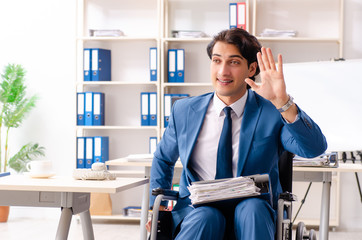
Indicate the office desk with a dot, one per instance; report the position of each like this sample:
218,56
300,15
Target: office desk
324,175
72,196
304,174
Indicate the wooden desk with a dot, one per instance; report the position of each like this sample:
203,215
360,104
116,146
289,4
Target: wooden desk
72,196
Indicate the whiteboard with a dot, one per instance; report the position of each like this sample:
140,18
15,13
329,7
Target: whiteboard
331,94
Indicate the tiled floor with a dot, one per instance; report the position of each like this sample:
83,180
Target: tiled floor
30,223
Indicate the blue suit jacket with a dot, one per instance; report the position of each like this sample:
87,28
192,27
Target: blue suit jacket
264,135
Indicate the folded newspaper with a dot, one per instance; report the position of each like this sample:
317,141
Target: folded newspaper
229,188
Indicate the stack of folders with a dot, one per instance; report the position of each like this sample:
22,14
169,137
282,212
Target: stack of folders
278,33
176,65
169,100
212,191
324,160
91,150
90,108
237,15
153,64
148,109
97,64
105,33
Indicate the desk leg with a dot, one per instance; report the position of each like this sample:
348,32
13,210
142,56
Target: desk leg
87,226
325,206
144,213
64,224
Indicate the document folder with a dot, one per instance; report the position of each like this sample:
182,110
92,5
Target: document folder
88,108
87,64
153,64
153,144
89,152
101,149
167,108
80,109
180,65
80,152
232,15
101,64
98,108
145,109
241,15
153,108
172,61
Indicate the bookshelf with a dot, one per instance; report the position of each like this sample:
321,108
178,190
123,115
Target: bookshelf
149,23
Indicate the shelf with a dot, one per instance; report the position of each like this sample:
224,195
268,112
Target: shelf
298,39
121,38
206,39
115,83
187,84
117,128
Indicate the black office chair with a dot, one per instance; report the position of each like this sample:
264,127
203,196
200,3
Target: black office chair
162,230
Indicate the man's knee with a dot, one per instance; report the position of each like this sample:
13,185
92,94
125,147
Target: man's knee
203,223
252,214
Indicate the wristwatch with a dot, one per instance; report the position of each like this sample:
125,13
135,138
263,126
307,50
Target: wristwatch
287,105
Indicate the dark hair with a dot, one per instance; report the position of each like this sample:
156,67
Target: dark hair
247,44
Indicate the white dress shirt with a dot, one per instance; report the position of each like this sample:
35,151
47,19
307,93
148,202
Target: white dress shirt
204,156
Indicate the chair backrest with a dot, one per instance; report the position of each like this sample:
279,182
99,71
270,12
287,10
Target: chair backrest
286,171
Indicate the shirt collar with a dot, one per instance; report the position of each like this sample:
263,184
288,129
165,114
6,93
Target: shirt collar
238,106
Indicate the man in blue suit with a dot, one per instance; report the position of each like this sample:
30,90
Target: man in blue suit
265,122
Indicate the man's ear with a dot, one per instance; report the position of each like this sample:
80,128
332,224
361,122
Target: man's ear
252,69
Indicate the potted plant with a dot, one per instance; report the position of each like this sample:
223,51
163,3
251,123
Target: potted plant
14,107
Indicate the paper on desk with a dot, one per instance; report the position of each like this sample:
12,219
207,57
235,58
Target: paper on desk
324,160
222,189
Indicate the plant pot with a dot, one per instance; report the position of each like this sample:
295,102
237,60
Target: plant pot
4,213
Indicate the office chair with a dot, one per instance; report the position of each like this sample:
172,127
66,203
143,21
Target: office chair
162,230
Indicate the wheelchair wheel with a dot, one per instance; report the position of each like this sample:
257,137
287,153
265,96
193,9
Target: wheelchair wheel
312,235
300,231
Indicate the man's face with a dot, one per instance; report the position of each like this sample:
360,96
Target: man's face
228,72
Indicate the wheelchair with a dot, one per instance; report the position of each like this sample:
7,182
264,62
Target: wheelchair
162,230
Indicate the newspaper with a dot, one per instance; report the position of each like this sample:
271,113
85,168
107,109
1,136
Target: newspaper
222,189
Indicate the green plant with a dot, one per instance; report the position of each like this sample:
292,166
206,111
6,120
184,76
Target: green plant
14,107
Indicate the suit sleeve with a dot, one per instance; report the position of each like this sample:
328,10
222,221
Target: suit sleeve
303,137
165,158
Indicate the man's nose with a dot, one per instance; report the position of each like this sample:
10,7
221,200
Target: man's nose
224,69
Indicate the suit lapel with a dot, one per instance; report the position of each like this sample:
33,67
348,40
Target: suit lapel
195,118
248,125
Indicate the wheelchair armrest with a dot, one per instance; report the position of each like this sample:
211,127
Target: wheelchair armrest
287,196
168,194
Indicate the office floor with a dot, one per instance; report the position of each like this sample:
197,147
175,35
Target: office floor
41,224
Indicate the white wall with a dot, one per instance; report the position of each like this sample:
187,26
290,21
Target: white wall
40,35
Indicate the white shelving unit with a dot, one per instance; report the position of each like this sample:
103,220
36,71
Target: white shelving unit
148,23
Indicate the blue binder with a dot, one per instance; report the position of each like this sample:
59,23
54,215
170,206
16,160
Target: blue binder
153,108
80,109
80,152
89,144
101,149
98,108
172,62
87,64
153,64
233,15
145,121
180,65
88,108
101,64
167,108
153,144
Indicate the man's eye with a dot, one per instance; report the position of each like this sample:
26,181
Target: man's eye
216,60
234,62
